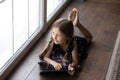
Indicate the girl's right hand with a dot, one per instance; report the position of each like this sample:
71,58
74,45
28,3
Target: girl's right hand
57,65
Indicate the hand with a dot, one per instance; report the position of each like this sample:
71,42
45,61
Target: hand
70,67
57,65
71,70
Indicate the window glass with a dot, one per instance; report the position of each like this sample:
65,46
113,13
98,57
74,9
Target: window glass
20,12
6,48
52,5
33,16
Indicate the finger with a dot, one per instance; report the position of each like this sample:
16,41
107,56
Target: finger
57,68
72,69
69,68
60,66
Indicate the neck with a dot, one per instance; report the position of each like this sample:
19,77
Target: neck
64,45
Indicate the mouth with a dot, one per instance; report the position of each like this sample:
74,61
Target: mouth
55,41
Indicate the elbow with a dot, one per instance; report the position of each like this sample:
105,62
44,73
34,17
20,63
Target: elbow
89,39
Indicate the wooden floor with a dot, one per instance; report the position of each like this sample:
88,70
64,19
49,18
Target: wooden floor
102,18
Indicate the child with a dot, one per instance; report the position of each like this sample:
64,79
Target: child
65,51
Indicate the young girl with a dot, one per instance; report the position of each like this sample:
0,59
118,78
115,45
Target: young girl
65,51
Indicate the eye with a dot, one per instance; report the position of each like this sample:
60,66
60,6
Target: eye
53,33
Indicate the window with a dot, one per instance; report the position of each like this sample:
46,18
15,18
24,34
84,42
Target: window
20,22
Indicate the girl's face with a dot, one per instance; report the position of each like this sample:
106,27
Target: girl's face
57,36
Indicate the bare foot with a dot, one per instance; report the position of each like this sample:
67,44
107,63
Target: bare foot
74,17
71,15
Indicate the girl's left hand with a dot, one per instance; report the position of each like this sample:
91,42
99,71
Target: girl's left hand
70,67
71,70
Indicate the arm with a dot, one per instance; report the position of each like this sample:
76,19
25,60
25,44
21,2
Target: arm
75,54
74,57
74,17
47,58
47,55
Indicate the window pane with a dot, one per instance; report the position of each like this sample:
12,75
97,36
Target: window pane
51,5
33,16
20,23
5,32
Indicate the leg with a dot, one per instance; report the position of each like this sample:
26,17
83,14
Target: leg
74,17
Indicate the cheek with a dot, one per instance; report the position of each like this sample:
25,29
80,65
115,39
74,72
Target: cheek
62,39
52,36
58,38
